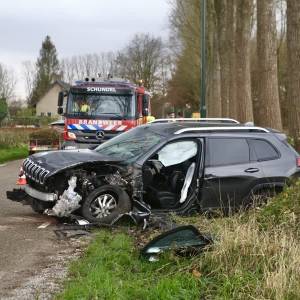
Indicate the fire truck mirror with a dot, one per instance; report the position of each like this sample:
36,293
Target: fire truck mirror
145,105
60,101
60,110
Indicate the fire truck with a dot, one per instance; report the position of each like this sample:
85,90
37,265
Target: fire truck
97,110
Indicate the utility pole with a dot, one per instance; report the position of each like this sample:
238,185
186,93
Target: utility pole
203,59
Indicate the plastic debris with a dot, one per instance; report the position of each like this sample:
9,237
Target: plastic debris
67,202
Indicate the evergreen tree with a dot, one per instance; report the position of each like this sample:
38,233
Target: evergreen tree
47,67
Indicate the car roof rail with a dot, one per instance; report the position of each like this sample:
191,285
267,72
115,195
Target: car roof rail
187,120
226,129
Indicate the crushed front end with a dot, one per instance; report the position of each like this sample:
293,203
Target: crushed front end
100,189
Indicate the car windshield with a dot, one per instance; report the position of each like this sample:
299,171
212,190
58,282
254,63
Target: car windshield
110,106
130,145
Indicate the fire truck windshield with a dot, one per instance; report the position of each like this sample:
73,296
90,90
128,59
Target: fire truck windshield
100,105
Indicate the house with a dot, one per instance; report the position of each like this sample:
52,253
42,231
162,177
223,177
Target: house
47,105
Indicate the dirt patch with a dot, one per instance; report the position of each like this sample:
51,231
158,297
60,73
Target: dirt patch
48,277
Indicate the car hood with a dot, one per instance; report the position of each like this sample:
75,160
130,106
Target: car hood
56,161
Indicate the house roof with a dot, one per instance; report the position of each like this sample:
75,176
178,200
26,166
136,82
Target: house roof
61,83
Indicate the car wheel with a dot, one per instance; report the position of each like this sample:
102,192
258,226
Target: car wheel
105,204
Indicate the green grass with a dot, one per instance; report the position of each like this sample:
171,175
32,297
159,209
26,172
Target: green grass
256,255
112,269
12,153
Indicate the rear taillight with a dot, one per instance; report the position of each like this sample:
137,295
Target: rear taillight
298,162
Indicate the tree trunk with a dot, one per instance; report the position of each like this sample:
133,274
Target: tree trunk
232,62
214,102
268,93
243,80
221,12
293,54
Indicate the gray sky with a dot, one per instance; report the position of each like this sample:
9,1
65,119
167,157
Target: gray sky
75,26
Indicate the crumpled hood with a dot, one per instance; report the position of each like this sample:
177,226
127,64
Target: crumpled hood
56,161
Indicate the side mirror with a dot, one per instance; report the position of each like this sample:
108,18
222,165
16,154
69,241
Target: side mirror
60,110
60,101
145,110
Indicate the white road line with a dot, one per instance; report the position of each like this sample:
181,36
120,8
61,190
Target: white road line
44,225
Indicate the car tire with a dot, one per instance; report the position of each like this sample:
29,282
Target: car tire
105,204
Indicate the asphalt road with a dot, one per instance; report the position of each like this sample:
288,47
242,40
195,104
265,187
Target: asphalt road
25,250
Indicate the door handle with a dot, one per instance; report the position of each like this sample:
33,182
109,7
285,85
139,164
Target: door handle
252,170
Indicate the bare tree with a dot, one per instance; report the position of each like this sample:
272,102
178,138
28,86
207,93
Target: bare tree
29,75
88,65
141,59
7,82
293,54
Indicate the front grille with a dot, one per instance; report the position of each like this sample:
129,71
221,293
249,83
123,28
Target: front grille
34,171
89,136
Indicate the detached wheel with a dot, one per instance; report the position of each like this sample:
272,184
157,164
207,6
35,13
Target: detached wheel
105,204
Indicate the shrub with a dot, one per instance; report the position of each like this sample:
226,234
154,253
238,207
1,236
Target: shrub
283,210
44,135
15,137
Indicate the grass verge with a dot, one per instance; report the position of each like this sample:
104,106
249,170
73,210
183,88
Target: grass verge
112,269
12,153
255,256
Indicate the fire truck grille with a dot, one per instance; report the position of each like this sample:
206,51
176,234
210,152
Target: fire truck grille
34,171
89,136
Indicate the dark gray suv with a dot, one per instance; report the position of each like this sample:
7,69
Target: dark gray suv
179,166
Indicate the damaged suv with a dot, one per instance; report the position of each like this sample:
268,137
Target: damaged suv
179,167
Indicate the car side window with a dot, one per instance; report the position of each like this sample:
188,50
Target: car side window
227,151
263,150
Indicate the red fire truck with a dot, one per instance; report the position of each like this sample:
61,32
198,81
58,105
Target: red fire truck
95,111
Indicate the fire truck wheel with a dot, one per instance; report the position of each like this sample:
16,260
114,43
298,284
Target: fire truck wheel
105,204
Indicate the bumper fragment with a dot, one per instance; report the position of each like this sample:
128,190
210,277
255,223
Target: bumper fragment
17,195
39,195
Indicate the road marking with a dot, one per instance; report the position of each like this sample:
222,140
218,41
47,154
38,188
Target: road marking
3,165
44,225
3,227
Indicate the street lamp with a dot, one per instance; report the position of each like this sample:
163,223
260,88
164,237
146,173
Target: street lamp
203,59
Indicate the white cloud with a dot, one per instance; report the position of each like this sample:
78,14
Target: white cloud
75,26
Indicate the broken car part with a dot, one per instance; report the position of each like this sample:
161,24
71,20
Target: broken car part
184,240
67,202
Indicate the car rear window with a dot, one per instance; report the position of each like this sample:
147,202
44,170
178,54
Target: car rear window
227,151
263,150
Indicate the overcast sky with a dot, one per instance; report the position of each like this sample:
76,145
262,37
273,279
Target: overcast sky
75,26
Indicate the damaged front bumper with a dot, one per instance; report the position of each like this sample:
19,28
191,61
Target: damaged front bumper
17,195
26,190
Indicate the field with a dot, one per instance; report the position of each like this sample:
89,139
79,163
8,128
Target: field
14,143
255,256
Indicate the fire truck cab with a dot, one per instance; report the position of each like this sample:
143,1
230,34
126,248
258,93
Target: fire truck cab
96,111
